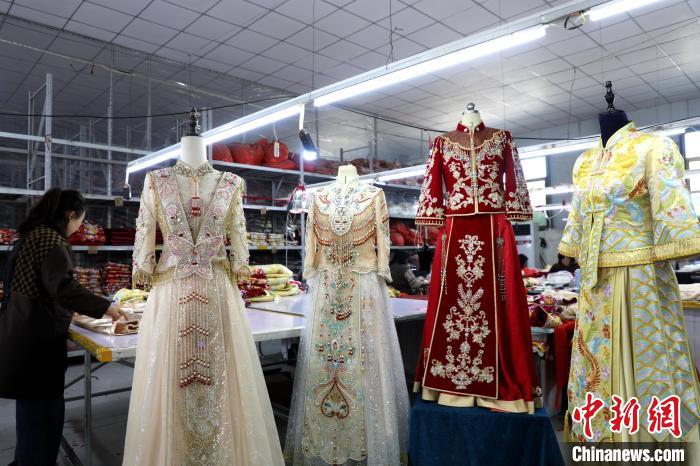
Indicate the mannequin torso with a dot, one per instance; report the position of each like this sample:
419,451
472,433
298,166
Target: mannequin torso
193,151
610,122
347,174
471,119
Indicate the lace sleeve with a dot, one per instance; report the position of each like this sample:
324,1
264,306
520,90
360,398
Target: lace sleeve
144,258
310,242
237,232
381,216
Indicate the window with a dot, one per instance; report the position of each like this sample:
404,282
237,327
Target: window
538,196
535,168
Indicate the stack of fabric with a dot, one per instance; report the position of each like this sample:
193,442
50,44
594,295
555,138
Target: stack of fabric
8,236
116,276
132,302
256,239
89,234
266,282
121,236
89,278
275,240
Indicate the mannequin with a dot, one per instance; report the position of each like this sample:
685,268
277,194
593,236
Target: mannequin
347,174
471,118
193,151
612,119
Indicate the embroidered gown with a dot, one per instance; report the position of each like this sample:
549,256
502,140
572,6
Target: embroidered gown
350,402
630,214
198,395
477,347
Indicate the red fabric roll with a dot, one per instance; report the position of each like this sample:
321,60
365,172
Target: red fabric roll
221,152
250,154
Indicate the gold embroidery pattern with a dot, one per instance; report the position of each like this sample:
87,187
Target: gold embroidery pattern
518,202
466,322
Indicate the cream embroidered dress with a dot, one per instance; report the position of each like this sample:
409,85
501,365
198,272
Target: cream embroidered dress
630,214
198,396
350,402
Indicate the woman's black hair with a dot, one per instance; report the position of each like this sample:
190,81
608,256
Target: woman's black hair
51,210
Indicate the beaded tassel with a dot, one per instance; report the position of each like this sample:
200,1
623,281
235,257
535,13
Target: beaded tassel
196,201
193,334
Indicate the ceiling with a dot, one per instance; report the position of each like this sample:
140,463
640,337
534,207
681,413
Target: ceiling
275,45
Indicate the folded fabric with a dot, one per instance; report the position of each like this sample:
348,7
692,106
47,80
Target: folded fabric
107,326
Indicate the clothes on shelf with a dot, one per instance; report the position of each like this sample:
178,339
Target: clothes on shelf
198,392
476,347
350,404
630,214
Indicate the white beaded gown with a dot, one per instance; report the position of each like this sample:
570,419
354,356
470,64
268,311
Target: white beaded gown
350,400
198,395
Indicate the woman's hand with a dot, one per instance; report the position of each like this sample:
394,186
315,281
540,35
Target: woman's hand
113,312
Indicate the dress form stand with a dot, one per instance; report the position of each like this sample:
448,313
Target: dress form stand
612,119
193,153
471,118
347,174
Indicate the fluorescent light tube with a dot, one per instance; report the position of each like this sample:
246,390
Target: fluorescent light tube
528,153
154,161
617,7
235,130
416,171
670,132
436,64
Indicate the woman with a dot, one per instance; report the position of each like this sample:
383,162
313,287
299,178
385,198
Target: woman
564,263
40,298
402,277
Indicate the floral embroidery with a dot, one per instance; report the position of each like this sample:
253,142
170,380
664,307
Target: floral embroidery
466,322
518,200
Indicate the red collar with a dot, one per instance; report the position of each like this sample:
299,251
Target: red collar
464,129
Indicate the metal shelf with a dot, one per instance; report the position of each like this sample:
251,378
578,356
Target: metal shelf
403,217
256,171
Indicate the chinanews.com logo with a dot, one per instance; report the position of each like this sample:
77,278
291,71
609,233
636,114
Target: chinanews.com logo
662,415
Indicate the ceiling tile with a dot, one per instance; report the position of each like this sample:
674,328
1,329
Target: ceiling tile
441,9
341,23
434,35
213,65
664,15
4,6
403,48
294,74
151,32
132,7
276,82
38,16
168,14
200,5
371,37
189,44
343,50
136,44
307,38
372,10
302,10
227,54
90,31
411,20
244,73
338,3
286,53
252,41
105,18
263,64
508,10
575,44
64,8
343,71
275,25
369,61
619,31
212,28
472,20
174,54
237,12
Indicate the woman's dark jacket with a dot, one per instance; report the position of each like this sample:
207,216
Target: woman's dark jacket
40,298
